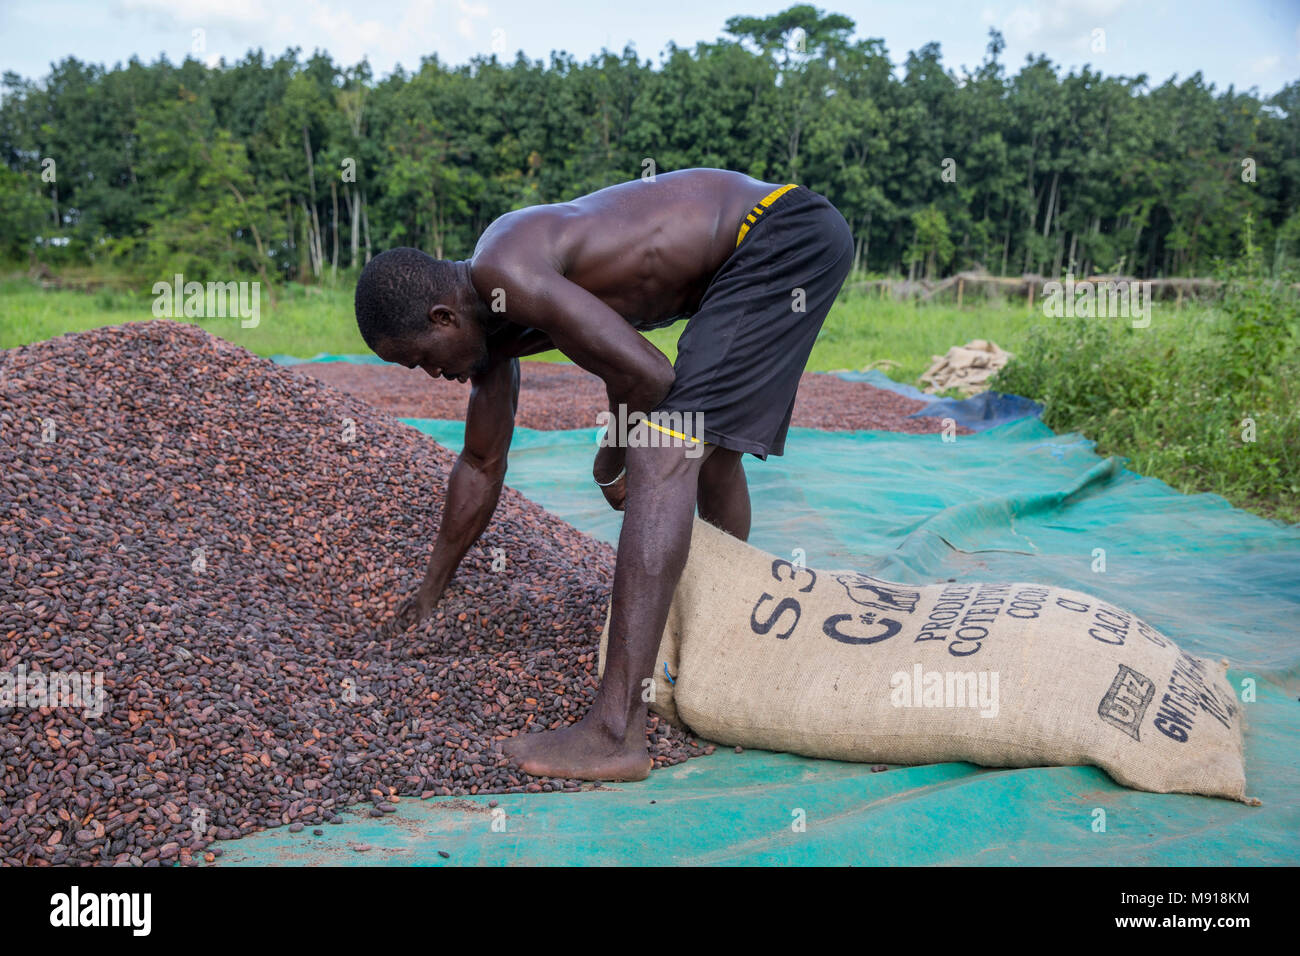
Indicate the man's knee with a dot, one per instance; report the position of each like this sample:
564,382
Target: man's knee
661,457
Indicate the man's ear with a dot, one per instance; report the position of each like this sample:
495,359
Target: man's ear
441,315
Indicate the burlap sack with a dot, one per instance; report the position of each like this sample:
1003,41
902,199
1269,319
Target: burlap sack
765,654
965,367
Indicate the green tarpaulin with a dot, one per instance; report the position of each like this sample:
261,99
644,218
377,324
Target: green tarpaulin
1016,502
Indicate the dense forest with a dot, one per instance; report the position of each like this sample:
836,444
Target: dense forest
291,169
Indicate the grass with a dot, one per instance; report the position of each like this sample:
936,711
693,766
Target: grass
864,329
308,320
1201,403
1172,397
305,321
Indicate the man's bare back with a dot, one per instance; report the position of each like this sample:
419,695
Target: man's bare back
647,249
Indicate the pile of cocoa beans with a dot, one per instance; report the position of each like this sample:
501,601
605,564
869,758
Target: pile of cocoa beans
200,553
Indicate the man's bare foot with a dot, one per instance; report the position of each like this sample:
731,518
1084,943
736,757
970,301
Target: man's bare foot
582,751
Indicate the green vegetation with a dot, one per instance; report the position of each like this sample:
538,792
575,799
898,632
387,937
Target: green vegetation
1172,397
1209,401
900,338
304,321
294,173
308,320
281,170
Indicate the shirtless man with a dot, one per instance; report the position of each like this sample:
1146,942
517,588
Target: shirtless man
754,265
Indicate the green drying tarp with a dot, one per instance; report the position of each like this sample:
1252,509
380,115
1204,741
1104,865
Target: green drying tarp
1017,502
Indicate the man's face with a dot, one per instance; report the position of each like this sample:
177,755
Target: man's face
449,347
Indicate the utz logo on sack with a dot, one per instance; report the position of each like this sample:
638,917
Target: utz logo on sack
1125,704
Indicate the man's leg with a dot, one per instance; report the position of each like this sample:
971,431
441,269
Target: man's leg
724,493
609,743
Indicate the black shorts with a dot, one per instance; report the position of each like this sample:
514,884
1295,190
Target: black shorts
741,355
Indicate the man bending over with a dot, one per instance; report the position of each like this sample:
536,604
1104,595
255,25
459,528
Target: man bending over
753,266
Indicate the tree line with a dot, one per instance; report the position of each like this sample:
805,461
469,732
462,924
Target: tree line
292,168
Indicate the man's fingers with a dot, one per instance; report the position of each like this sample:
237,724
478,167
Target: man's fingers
402,619
616,494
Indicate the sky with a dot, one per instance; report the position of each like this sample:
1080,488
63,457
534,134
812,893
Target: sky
1244,43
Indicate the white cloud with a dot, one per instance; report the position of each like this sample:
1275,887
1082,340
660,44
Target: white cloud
1055,21
347,38
469,13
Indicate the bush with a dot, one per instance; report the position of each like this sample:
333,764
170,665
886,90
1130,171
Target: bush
1209,403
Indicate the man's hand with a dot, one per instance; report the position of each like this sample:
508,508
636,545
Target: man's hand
610,461
416,608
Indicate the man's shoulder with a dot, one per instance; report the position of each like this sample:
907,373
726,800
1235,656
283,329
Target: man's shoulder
510,267
516,243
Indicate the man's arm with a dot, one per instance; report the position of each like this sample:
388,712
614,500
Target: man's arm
609,469
636,374
474,486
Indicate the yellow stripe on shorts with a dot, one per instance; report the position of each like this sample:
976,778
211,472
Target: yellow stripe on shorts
669,431
762,206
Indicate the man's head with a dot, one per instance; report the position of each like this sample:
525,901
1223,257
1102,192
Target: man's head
422,312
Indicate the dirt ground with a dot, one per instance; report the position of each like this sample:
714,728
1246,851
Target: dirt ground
556,396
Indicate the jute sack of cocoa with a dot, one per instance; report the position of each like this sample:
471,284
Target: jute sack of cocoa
763,653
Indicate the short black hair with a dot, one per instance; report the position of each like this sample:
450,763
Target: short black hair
395,291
